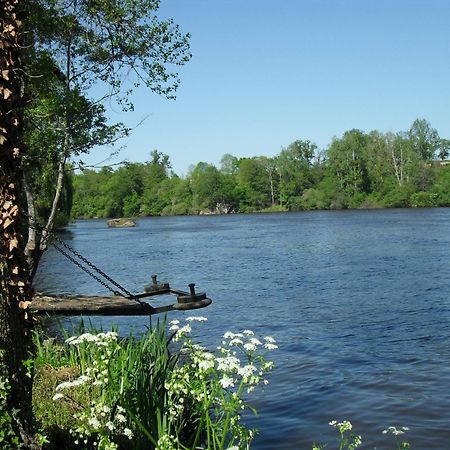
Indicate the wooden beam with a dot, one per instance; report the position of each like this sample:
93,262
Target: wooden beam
104,306
89,305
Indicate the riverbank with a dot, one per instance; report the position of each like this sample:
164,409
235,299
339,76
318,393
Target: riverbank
97,390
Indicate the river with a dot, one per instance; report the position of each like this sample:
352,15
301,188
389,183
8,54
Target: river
359,302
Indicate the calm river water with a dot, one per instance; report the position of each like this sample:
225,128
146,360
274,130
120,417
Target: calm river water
359,302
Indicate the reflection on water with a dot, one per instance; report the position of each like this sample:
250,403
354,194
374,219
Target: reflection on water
358,301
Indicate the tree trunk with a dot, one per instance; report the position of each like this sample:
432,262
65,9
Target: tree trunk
15,289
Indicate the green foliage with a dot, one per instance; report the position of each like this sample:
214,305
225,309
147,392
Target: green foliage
10,430
424,199
424,139
75,45
211,189
104,392
9,439
359,171
398,197
293,166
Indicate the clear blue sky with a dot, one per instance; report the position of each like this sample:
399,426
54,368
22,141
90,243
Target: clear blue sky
267,72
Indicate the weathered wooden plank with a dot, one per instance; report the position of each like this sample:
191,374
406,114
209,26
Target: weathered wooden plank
105,306
89,305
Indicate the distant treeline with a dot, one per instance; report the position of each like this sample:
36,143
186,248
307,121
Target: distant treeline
358,170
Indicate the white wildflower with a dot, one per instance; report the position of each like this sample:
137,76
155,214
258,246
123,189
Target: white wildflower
57,396
255,341
250,347
64,385
343,426
184,330
85,337
113,335
246,371
205,364
395,431
226,381
248,332
128,433
270,346
94,422
196,319
81,380
228,363
270,339
207,355
120,417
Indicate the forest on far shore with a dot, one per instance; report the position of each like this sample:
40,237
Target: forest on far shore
357,170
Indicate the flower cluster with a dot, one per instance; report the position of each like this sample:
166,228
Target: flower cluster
342,426
351,442
101,422
104,345
100,339
82,379
199,392
395,431
213,382
98,423
167,442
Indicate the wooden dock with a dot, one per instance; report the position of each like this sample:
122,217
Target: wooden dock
104,306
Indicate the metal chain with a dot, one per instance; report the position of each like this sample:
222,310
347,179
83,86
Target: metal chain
95,277
88,263
92,266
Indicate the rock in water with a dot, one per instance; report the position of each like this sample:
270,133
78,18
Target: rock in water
121,223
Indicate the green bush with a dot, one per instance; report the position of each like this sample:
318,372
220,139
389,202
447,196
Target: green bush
424,199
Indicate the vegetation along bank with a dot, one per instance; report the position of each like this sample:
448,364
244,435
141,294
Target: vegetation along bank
357,170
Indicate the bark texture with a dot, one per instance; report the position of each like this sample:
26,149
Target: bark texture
15,291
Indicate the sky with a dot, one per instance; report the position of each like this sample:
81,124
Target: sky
267,72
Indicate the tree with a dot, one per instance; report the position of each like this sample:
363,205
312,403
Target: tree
443,149
155,196
229,164
111,44
424,139
294,169
253,188
211,189
15,290
346,158
270,167
71,46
